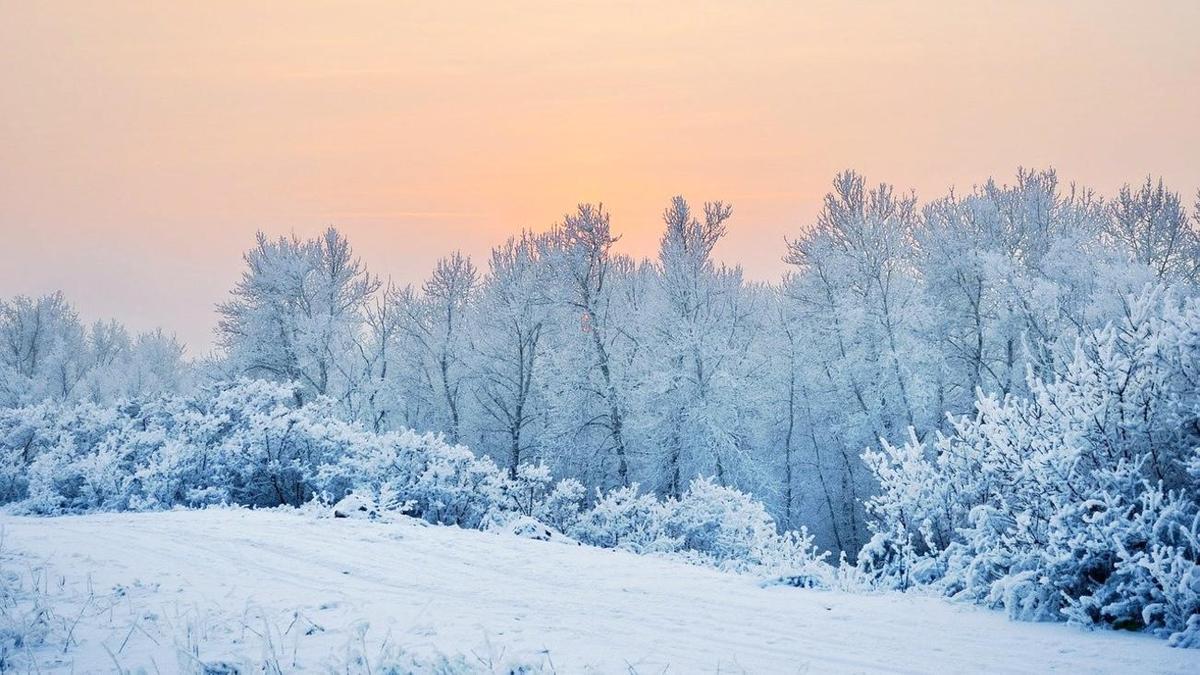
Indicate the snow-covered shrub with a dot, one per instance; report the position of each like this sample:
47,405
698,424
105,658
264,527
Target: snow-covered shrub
528,488
86,465
442,483
624,518
455,487
718,525
562,507
709,524
1075,502
250,442
24,434
168,477
255,443
1174,594
247,442
273,445
793,559
719,522
1144,554
357,506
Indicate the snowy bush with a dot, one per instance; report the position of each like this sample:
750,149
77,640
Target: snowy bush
457,488
246,442
719,522
793,559
562,507
254,443
624,518
729,529
442,483
527,488
1075,502
251,443
709,524
24,434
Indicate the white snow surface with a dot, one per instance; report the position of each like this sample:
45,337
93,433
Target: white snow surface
215,583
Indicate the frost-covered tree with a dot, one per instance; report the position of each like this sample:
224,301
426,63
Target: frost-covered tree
434,333
579,254
1076,501
510,331
42,344
1152,225
1001,293
856,292
701,335
374,398
296,313
808,482
47,353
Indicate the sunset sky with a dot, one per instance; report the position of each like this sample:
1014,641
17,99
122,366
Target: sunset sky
142,144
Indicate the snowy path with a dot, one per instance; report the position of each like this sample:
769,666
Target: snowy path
222,573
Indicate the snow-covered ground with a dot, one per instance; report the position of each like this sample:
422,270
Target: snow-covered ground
168,591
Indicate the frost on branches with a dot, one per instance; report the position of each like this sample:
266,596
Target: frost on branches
1038,427
254,443
1078,501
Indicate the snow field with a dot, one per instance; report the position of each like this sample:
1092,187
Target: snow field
268,591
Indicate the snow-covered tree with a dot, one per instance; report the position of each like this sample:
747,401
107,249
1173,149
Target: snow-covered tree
47,353
42,344
511,323
296,313
1073,502
433,333
579,252
701,335
1152,225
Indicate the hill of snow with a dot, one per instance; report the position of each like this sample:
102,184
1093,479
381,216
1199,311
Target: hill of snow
273,591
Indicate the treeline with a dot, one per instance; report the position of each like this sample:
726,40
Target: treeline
47,353
615,371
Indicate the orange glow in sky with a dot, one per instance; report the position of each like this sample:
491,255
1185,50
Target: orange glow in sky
142,144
